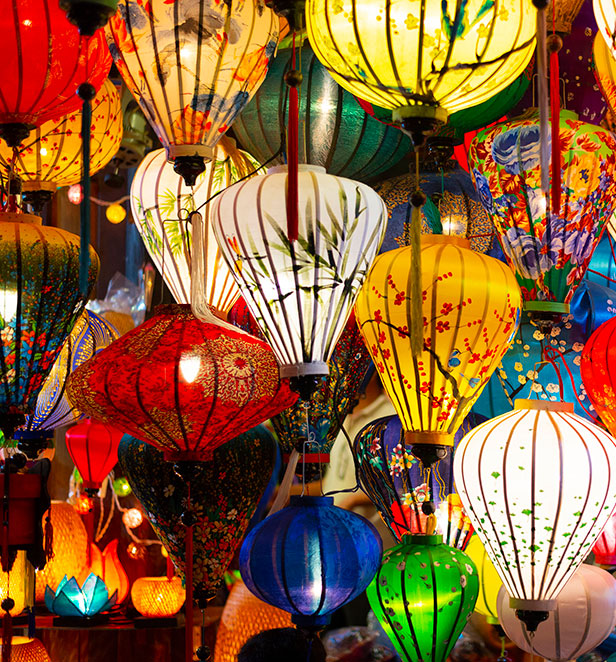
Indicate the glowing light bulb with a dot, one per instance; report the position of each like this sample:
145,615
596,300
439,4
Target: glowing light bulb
190,364
132,518
75,194
115,213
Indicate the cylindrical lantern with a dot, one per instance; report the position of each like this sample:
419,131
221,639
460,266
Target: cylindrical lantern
15,584
310,559
191,88
423,595
243,616
539,484
584,616
605,547
300,293
489,581
158,597
471,309
24,649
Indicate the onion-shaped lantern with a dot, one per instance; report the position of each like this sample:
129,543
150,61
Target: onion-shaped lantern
539,486
471,308
300,293
310,559
549,250
192,69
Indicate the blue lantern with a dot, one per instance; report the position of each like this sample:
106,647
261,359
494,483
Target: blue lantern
310,559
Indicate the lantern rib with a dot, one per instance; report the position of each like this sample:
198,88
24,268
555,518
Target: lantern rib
66,91
178,64
388,617
159,72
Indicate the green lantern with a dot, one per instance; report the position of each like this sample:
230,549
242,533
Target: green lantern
423,595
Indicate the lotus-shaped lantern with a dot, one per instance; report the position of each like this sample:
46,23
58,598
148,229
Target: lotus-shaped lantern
85,601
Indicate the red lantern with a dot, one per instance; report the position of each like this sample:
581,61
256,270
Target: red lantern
605,547
93,447
44,60
182,385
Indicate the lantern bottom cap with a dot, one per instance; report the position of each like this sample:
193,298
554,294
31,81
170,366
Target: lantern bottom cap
310,622
532,605
428,437
546,307
302,369
205,151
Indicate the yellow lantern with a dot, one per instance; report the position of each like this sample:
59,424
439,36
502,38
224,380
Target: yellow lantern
52,156
17,582
245,615
605,70
424,59
489,581
24,649
471,310
115,213
158,597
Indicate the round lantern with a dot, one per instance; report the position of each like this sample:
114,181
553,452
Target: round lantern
158,597
537,525
605,547
422,64
310,559
115,213
52,155
471,308
16,584
69,547
161,203
423,595
339,135
40,302
44,62
192,88
300,293
24,649
93,447
584,616
489,581
243,616
549,252
179,383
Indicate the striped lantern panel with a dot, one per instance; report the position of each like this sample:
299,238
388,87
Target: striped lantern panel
300,293
539,484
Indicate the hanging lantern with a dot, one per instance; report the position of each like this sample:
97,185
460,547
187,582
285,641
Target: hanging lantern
158,597
489,581
16,584
243,616
549,254
40,303
310,559
24,649
537,525
300,293
605,547
161,203
422,65
51,157
471,312
190,77
337,133
604,67
605,15
423,595
584,616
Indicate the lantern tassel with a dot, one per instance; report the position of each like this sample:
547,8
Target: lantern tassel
554,45
188,612
48,547
293,80
5,517
7,636
170,568
544,150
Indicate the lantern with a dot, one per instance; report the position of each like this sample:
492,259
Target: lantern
83,601
422,65
310,559
24,649
423,595
15,584
115,214
93,447
584,616
549,253
489,581
227,490
158,597
51,157
70,548
187,386
605,547
605,15
300,293
339,135
40,302
471,312
191,87
537,525
45,61
160,204
604,67
109,568
243,616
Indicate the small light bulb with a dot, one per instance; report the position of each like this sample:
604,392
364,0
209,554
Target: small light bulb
75,194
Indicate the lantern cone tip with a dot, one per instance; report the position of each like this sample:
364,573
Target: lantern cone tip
531,618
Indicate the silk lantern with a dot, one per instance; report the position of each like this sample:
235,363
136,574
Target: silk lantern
471,308
158,597
182,385
548,251
605,547
489,581
537,525
161,204
423,595
422,65
584,617
191,87
604,67
310,558
300,293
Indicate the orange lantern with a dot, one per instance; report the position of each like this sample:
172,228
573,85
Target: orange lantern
16,581
24,649
109,568
158,597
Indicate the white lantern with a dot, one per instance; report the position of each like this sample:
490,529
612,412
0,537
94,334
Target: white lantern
584,616
605,15
300,293
539,484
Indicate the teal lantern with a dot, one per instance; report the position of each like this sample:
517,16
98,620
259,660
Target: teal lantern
423,595
334,130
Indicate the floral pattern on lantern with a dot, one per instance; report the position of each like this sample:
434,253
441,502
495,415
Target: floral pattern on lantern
158,597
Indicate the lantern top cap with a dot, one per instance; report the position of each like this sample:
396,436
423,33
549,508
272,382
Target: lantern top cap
17,217
300,501
422,539
302,167
429,239
543,405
